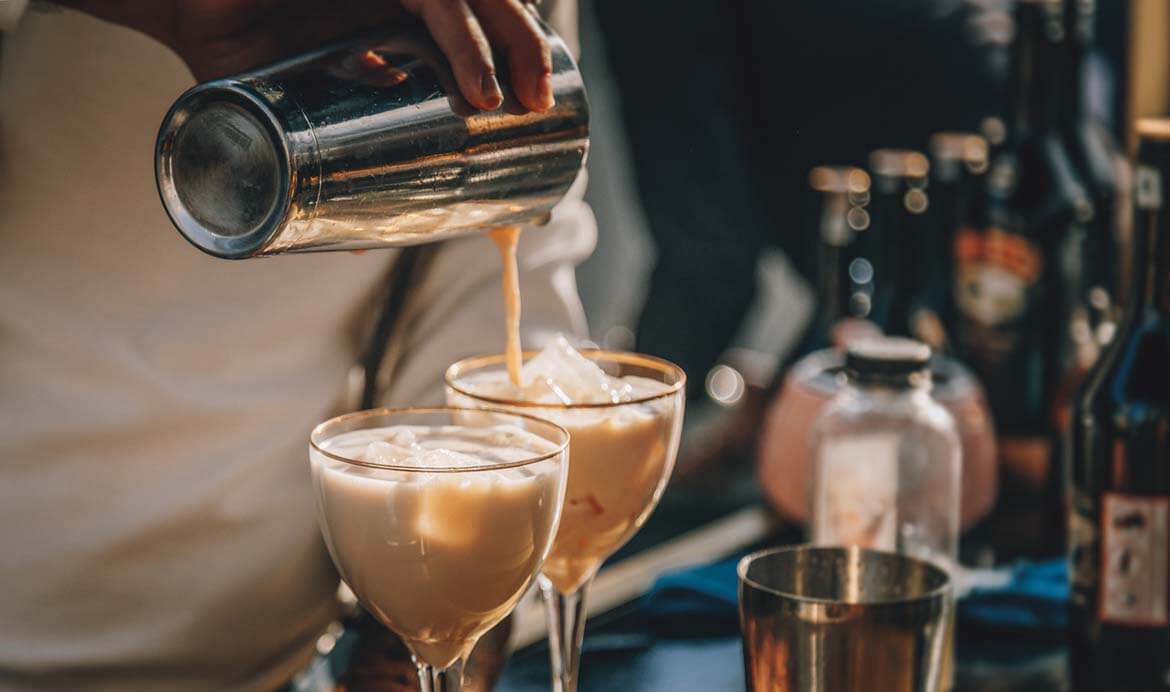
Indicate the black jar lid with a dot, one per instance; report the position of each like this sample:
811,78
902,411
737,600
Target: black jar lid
886,358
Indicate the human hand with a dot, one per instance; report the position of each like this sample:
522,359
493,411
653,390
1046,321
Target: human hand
221,37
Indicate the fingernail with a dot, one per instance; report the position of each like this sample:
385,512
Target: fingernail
491,89
544,93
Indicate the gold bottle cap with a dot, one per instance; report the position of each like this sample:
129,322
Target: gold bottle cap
993,129
958,146
899,163
1157,129
838,179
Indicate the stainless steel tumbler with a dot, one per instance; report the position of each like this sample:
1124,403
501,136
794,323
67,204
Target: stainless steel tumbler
366,143
843,620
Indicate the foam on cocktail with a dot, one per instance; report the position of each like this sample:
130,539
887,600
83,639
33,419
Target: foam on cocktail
560,375
439,553
618,453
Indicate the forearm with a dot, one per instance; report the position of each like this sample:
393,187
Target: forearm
217,38
10,13
152,17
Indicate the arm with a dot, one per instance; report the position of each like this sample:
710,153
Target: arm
220,37
10,12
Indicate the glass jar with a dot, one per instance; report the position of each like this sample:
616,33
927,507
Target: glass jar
887,457
784,468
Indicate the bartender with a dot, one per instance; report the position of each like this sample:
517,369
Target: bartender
157,529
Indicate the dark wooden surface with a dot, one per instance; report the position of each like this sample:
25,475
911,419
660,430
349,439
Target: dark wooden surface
715,664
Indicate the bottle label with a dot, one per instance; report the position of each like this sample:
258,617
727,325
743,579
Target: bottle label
995,275
1135,583
855,501
1147,188
995,271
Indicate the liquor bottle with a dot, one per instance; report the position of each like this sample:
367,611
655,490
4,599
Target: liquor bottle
837,216
894,245
844,281
1096,158
958,167
1013,278
1119,466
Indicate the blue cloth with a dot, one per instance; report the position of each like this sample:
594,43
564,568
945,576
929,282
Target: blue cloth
1033,597
710,591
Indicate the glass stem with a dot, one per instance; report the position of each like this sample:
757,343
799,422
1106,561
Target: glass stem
432,679
566,628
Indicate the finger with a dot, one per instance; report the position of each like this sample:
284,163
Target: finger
512,28
461,38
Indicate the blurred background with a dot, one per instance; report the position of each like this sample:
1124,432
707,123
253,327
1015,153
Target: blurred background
707,120
704,137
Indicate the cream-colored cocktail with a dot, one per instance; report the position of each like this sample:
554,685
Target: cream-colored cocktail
439,521
624,415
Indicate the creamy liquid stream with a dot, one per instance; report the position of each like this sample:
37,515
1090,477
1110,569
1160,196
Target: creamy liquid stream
506,239
622,460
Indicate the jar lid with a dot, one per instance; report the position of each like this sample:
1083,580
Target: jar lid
886,357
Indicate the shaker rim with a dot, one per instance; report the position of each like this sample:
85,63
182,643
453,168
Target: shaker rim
240,99
942,590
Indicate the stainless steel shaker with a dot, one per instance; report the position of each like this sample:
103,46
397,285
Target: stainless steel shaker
362,144
819,619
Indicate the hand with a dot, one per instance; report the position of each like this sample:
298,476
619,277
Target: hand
221,37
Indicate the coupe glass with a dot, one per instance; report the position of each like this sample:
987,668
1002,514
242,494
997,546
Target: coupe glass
621,456
439,551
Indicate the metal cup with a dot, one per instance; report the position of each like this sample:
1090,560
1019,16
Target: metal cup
365,143
842,620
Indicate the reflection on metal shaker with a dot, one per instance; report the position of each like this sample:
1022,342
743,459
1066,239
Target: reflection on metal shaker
362,144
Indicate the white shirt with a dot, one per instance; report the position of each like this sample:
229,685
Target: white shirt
157,529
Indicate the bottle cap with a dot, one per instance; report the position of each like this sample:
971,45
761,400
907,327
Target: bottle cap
886,357
960,148
899,163
1157,129
840,179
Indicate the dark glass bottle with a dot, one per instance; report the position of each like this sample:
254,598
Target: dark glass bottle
1095,289
958,167
1119,466
1017,281
1095,155
895,245
844,285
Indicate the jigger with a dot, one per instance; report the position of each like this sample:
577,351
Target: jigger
843,620
362,144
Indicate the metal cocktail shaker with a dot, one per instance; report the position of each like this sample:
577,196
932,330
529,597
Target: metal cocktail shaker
362,144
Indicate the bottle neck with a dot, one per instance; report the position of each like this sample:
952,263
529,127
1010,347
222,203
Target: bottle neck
1081,36
1151,246
835,235
971,200
888,208
1040,75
